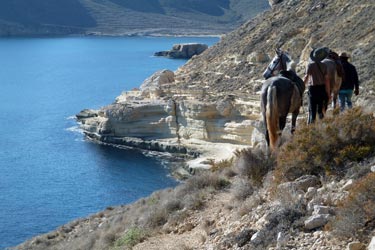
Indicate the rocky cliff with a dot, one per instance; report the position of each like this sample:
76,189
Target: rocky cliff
159,118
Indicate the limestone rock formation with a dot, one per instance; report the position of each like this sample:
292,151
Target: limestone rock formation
183,51
152,87
157,118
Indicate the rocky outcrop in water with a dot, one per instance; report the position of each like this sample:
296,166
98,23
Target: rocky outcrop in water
155,118
183,51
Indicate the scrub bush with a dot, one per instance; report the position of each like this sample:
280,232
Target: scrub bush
131,238
326,147
253,165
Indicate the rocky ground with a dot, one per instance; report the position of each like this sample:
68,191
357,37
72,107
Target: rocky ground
295,216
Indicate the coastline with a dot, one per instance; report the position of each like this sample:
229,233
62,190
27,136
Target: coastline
111,36
77,159
184,158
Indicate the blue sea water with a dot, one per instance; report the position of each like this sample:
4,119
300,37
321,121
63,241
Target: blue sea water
49,174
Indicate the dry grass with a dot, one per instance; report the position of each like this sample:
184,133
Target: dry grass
241,189
149,215
253,165
357,210
246,206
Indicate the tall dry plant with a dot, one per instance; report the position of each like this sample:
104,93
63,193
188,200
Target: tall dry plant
253,165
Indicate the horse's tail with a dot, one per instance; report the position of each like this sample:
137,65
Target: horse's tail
272,116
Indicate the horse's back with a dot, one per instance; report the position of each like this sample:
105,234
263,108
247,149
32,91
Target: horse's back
280,82
333,74
331,66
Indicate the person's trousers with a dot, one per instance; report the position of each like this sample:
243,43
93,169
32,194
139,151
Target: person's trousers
317,98
345,96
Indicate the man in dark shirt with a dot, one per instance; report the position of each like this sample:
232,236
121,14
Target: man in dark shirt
317,81
350,81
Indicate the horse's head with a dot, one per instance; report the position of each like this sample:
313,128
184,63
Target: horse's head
333,55
281,61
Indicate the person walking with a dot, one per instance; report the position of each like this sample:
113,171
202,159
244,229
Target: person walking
317,81
349,83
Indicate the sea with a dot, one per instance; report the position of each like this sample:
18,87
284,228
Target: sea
49,173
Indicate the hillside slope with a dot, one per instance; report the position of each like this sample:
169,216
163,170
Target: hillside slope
238,61
125,17
20,17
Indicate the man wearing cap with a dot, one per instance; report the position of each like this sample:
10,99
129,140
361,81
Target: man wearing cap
350,81
317,81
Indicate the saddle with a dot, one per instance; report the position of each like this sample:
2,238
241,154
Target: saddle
291,75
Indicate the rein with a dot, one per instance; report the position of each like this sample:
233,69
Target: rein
300,87
274,65
278,61
283,64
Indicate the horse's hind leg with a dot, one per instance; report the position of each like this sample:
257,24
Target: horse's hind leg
334,100
267,138
266,134
294,121
282,123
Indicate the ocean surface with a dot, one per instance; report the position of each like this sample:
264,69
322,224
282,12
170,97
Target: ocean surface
49,173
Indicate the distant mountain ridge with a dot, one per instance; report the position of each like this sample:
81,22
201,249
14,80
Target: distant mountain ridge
125,17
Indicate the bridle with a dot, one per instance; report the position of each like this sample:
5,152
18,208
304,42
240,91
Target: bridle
277,61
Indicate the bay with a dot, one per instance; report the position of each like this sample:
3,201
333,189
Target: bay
49,174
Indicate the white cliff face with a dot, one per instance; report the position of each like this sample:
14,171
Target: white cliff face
172,119
151,114
153,86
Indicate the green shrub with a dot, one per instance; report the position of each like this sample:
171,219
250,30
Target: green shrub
326,146
131,238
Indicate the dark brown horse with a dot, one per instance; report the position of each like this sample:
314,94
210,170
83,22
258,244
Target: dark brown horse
280,95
